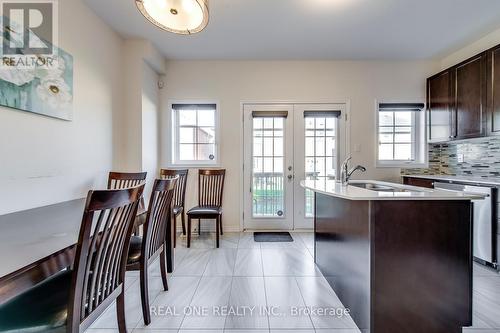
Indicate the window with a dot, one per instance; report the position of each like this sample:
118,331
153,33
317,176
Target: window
400,135
194,134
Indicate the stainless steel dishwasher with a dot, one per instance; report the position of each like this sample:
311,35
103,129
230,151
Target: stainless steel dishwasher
484,221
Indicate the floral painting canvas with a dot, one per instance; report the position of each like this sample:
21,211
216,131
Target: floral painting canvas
47,91
34,82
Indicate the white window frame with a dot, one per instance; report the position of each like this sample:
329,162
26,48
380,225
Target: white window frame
419,149
174,136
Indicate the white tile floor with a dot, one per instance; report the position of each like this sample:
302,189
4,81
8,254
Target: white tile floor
241,278
486,301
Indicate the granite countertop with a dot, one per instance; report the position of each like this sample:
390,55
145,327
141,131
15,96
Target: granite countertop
463,179
403,192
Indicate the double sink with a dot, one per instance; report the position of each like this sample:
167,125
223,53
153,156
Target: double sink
375,186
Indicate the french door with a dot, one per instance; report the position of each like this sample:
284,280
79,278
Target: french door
284,144
268,168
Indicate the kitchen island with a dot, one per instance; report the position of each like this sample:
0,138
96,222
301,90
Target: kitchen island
399,257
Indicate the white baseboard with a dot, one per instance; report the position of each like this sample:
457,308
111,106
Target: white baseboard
205,227
277,230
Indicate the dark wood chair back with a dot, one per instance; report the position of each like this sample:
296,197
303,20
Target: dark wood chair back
180,187
210,187
101,253
158,213
119,180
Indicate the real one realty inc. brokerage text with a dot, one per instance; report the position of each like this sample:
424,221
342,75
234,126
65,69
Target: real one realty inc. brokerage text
243,311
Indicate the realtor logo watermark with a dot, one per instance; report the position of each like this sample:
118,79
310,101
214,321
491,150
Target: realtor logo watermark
29,33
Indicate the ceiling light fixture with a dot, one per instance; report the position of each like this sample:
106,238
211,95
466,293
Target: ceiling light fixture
178,16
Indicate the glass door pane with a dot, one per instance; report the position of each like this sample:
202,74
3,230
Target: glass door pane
268,181
320,154
268,178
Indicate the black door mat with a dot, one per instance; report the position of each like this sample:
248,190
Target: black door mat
272,237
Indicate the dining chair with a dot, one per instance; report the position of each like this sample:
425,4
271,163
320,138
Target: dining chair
119,180
179,196
210,189
145,250
74,298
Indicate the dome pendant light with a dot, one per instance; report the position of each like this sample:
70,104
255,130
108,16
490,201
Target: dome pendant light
177,16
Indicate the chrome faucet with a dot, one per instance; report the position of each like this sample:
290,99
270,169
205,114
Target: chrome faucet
345,173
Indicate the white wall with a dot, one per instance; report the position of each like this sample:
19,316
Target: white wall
150,124
46,160
482,44
232,82
139,56
129,127
138,124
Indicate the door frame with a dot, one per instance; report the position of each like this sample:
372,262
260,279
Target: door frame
346,102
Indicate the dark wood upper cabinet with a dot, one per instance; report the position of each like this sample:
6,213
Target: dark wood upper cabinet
469,119
457,100
439,106
493,90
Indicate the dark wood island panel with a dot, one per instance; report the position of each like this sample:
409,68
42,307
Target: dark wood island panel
399,266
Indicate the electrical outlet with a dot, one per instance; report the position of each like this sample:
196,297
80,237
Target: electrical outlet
460,158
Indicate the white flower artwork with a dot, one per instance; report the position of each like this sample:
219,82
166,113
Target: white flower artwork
44,88
18,77
54,91
57,69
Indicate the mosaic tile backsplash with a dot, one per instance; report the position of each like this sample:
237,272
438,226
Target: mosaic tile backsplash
476,157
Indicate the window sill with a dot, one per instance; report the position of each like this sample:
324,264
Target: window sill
193,165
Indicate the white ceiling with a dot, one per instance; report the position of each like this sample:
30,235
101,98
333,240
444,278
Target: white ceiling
317,29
